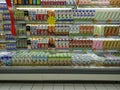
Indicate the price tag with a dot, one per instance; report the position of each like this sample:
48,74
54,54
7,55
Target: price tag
94,50
108,21
84,51
106,49
85,37
95,21
108,36
2,27
96,36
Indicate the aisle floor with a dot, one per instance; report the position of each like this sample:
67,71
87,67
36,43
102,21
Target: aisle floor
25,86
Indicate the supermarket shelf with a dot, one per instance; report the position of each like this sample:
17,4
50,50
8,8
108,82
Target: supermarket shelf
99,22
44,7
54,77
5,11
31,22
75,36
71,22
6,21
58,70
3,41
91,50
65,6
96,6
21,36
69,50
42,22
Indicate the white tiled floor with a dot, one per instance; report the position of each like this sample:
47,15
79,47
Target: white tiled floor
37,86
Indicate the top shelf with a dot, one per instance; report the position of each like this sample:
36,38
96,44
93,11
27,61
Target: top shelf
63,7
67,3
67,6
41,6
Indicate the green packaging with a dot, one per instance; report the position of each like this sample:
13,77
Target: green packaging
38,2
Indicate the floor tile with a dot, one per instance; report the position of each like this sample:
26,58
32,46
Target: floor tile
117,86
58,87
79,87
37,87
99,85
89,86
16,86
48,87
5,87
26,87
68,87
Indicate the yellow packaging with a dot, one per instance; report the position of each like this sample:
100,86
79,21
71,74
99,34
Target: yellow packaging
15,2
110,47
104,44
118,44
19,1
116,31
108,44
30,1
105,31
115,44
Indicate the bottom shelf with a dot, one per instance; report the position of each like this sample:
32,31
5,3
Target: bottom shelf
39,58
58,70
60,77
53,73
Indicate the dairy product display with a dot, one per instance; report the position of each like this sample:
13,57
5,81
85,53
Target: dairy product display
70,30
69,16
97,2
36,58
59,33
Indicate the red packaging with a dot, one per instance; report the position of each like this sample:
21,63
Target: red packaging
37,17
37,31
40,45
57,2
78,43
62,3
40,31
40,17
47,2
43,2
81,43
84,43
91,43
52,2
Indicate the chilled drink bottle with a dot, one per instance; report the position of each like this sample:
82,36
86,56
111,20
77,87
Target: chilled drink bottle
38,2
30,2
34,2
19,2
27,2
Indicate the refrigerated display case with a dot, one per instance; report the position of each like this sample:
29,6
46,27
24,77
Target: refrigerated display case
62,40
